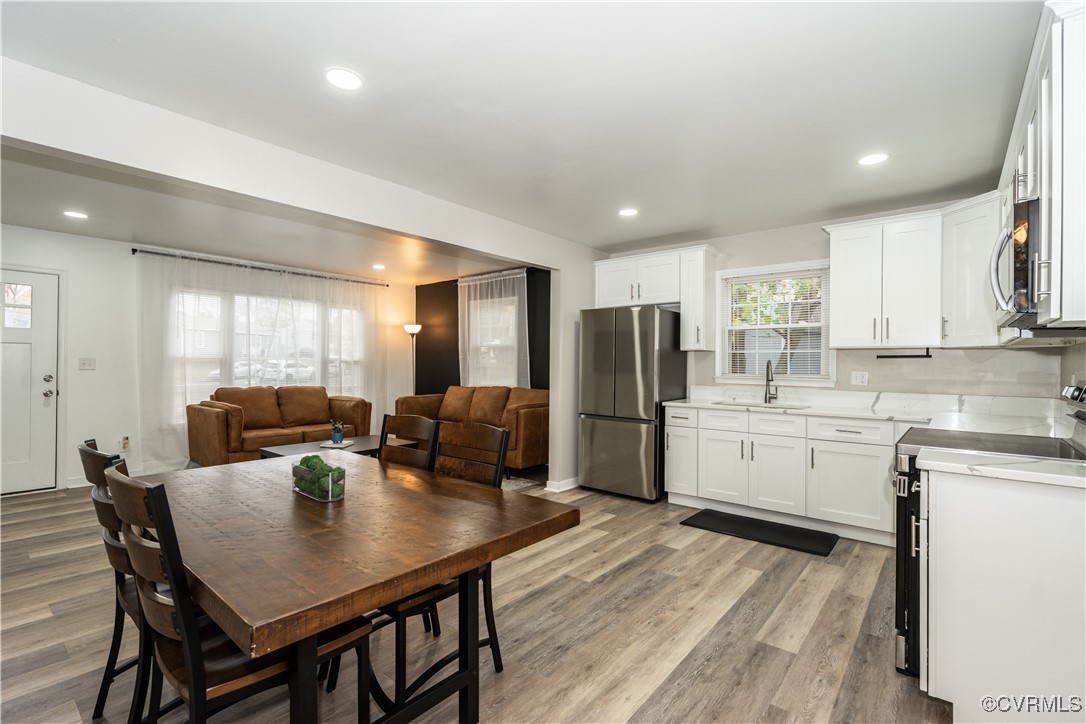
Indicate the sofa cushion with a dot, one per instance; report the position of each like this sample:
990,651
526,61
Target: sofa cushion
253,440
488,404
260,405
457,404
312,433
303,405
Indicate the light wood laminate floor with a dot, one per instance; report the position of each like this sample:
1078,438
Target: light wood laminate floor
628,617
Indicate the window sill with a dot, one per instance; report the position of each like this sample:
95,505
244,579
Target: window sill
759,381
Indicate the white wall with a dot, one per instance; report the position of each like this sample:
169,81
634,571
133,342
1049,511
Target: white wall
56,112
98,319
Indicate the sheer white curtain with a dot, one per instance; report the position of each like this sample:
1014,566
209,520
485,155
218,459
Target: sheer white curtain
205,324
494,329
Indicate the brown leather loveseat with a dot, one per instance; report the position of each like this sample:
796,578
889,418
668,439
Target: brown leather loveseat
524,412
236,422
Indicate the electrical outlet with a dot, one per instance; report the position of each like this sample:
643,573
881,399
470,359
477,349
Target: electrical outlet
87,363
859,378
124,442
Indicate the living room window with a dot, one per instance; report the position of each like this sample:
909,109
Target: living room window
206,324
776,315
494,329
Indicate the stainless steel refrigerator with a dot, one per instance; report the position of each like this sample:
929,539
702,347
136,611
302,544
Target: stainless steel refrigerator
630,363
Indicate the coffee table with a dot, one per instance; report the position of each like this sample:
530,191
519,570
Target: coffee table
363,445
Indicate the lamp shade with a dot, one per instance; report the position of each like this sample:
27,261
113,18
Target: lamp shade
412,329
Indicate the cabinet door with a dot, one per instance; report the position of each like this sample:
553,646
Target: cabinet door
911,283
856,287
696,303
777,474
850,483
681,460
616,283
658,279
970,316
722,466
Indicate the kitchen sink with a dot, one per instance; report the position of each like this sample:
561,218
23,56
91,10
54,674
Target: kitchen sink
764,405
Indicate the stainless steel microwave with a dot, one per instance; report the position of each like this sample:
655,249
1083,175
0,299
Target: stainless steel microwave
1016,262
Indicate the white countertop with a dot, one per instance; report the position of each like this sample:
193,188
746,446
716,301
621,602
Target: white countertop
1058,426
859,413
1068,473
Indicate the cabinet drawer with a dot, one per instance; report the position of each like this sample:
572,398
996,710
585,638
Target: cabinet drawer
768,423
734,420
871,432
680,417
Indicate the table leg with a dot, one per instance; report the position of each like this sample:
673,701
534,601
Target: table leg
469,645
303,681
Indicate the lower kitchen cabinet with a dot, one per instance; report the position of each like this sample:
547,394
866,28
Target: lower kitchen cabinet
850,483
776,474
681,460
722,466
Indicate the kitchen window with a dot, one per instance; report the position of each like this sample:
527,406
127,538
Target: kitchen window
777,315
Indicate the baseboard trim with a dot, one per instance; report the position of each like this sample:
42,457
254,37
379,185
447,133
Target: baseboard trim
561,486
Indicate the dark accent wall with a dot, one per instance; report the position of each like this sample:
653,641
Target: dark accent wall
437,350
437,346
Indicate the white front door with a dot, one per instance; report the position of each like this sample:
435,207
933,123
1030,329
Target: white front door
28,370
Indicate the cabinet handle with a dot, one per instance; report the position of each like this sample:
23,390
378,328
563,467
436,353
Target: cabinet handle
667,443
944,327
631,291
812,458
874,327
699,335
887,328
1037,264
742,444
850,432
679,417
752,451
639,290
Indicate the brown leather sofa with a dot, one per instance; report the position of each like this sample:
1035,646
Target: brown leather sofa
524,412
236,422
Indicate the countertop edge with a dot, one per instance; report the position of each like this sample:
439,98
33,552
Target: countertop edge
1065,473
813,411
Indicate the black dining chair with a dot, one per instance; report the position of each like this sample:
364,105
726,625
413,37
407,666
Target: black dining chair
421,430
197,658
474,452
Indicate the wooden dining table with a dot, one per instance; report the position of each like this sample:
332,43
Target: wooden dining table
274,568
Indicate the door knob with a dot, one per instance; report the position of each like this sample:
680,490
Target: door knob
47,393
47,378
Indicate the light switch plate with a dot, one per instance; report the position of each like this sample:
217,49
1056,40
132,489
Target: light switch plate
87,363
859,378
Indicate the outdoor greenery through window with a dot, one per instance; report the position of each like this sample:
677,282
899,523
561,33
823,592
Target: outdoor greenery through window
776,318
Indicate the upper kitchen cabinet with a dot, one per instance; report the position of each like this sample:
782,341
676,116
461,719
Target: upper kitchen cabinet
683,276
643,279
970,315
885,289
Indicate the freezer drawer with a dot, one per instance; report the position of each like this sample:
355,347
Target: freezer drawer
619,456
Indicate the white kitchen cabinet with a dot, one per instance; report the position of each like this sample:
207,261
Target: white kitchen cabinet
643,279
776,474
886,277
681,460
970,229
697,299
722,466
850,483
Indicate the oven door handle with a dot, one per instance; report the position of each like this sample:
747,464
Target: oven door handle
1002,300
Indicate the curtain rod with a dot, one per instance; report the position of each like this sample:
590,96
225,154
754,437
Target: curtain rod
259,267
520,271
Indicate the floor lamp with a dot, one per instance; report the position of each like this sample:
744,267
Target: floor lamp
412,329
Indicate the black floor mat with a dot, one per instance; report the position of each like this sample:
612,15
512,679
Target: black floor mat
764,531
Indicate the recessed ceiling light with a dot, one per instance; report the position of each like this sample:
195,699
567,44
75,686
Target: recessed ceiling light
75,214
379,267
343,78
628,212
873,158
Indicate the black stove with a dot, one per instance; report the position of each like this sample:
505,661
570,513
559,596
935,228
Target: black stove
986,442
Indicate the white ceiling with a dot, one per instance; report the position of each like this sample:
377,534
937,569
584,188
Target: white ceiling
711,118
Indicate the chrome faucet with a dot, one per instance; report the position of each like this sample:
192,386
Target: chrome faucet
770,395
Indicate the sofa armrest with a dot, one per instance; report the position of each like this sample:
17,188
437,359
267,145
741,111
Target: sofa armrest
235,422
424,405
207,433
351,411
529,433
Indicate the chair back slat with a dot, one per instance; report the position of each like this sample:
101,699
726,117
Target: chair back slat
95,463
420,429
472,451
158,609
